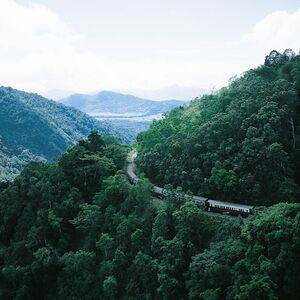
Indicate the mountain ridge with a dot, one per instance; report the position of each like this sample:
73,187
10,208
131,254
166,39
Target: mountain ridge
239,144
33,127
125,112
114,102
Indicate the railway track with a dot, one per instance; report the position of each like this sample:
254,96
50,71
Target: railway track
210,204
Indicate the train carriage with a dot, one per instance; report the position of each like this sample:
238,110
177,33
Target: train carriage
228,207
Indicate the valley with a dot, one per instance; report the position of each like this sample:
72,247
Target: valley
149,150
35,128
73,226
123,111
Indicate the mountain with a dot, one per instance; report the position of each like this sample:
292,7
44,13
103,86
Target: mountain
238,144
77,229
128,114
112,104
33,127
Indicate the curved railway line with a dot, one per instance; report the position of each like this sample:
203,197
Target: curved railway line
211,205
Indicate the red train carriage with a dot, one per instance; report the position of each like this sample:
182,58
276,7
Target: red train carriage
227,207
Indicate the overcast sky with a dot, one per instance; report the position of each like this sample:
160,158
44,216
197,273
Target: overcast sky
90,45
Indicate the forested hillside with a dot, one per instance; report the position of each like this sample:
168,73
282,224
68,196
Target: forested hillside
33,127
241,143
76,229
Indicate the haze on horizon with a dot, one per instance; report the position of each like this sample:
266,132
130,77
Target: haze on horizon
138,45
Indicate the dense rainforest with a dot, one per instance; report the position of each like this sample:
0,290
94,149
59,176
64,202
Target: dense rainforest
241,143
35,128
76,228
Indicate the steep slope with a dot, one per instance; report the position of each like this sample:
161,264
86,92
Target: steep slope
241,143
77,229
33,127
119,104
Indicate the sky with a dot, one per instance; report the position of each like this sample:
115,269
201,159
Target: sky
91,45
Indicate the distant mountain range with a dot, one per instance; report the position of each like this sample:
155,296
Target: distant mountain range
126,113
178,92
33,127
111,104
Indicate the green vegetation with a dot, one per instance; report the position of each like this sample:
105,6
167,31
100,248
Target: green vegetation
76,229
35,128
240,144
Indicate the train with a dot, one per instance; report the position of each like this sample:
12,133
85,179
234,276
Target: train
234,209
217,206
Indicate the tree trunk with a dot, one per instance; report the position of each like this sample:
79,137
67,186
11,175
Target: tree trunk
293,132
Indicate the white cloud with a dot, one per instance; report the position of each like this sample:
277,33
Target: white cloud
39,52
279,30
35,46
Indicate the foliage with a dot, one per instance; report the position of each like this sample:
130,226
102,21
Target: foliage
257,265
241,143
35,128
76,228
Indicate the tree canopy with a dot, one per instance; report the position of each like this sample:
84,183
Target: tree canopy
240,144
75,228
